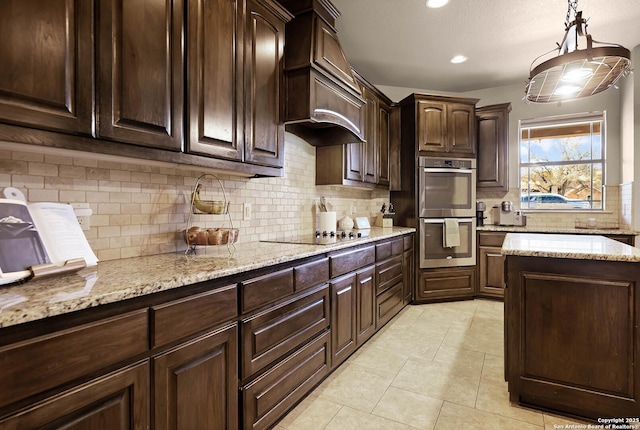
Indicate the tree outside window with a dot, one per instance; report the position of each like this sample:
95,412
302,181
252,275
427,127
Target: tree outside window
562,163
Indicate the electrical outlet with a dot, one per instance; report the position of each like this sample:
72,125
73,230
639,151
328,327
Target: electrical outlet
83,214
246,212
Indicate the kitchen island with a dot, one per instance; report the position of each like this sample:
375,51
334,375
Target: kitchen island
572,340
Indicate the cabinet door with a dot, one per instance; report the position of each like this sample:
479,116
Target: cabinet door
370,165
214,79
491,276
383,140
354,163
117,401
140,72
407,275
196,383
366,304
461,128
493,147
432,126
46,77
264,73
343,318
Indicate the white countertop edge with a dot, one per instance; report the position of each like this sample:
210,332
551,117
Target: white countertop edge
571,246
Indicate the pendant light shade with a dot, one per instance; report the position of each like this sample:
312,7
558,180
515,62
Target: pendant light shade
576,73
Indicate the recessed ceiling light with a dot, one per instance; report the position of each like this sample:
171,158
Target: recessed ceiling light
436,3
458,59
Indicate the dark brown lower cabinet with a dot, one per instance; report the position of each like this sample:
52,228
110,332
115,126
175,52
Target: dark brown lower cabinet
388,304
366,304
446,283
490,264
225,354
572,339
116,401
343,318
270,335
268,397
286,350
407,274
490,272
196,383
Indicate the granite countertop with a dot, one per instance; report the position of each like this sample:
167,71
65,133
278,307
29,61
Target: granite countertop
566,230
113,281
581,247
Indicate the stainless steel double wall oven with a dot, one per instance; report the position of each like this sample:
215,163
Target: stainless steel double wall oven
447,196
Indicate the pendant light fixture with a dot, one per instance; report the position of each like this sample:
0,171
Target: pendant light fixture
576,73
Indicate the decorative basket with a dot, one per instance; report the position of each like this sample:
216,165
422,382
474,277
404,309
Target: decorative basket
211,236
198,236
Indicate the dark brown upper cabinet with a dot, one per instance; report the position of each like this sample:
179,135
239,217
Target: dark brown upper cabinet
370,163
140,72
444,125
214,76
197,83
371,150
46,77
493,147
235,65
264,83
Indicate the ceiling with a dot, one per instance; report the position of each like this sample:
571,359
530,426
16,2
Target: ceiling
403,43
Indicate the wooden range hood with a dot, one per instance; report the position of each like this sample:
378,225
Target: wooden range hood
323,103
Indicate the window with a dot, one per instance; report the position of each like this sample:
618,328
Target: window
562,162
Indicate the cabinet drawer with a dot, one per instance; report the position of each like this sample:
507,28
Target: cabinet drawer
267,398
388,304
311,274
491,239
446,283
388,273
389,248
50,360
352,260
270,335
266,289
181,318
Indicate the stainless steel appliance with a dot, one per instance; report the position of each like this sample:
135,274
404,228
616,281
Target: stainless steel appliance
433,253
480,208
503,214
519,219
446,200
447,187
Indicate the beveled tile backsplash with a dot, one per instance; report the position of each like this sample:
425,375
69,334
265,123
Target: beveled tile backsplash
141,209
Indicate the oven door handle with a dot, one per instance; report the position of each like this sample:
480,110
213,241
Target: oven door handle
451,170
441,220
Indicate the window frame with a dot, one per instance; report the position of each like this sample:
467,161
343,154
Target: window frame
564,120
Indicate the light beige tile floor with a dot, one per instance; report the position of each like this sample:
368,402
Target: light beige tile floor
433,367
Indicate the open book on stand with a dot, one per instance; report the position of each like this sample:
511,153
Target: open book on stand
40,239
